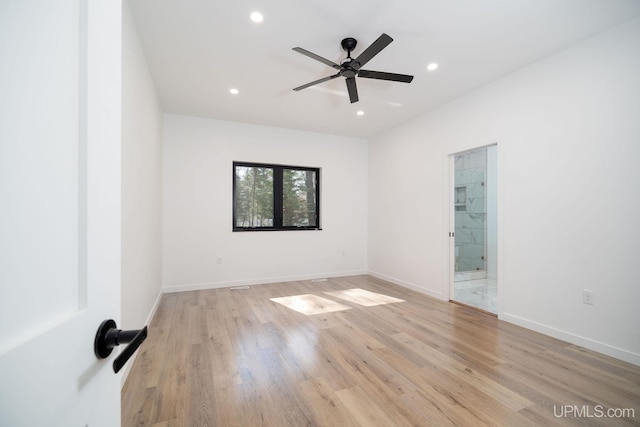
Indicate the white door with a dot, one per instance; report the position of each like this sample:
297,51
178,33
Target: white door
59,210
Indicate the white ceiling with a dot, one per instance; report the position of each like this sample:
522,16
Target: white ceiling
198,49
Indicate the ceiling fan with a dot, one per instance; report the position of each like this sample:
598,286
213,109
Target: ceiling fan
350,68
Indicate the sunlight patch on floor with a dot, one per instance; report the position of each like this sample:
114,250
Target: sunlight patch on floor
363,297
310,304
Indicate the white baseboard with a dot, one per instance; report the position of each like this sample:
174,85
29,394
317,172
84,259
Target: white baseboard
263,281
152,313
412,286
569,337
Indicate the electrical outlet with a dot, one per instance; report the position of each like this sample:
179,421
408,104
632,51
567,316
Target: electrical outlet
219,260
588,296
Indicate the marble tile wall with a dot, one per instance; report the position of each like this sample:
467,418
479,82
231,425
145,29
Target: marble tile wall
470,213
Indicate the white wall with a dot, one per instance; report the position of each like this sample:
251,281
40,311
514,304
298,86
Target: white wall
568,139
198,156
141,183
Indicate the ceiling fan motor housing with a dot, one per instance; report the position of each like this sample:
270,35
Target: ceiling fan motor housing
347,70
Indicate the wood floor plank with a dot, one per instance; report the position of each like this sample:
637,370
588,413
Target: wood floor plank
200,408
328,409
364,410
223,357
170,398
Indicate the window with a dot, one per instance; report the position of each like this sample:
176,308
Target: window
275,197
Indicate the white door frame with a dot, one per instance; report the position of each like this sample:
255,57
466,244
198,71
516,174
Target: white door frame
449,215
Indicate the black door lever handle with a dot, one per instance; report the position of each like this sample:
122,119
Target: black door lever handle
109,336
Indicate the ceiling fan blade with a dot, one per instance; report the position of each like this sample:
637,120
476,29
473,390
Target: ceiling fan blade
324,79
317,57
353,90
374,49
368,74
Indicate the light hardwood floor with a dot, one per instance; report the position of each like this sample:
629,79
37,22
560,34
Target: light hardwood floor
226,357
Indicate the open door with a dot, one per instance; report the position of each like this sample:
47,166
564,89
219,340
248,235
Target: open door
60,216
473,236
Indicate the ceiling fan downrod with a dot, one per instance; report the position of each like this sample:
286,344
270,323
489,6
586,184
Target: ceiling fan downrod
348,45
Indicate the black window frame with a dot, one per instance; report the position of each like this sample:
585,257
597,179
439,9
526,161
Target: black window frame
277,197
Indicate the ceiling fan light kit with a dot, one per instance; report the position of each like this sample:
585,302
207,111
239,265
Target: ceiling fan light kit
350,68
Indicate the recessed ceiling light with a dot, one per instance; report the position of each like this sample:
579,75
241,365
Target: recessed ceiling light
234,91
360,113
257,17
432,66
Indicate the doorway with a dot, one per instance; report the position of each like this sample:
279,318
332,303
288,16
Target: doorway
474,275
